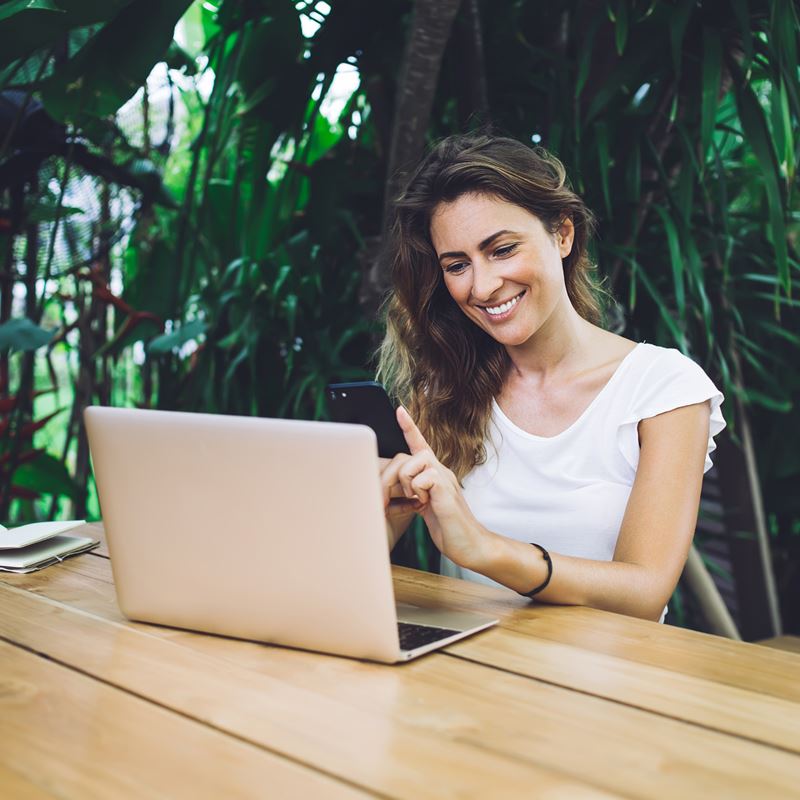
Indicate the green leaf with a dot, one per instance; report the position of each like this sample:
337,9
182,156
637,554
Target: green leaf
712,75
46,474
198,26
22,334
284,272
742,14
697,281
585,51
633,174
178,58
777,330
13,7
114,63
677,334
756,132
632,287
675,258
771,403
177,338
23,33
621,26
604,163
678,20
151,277
627,73
232,367
269,48
290,304
47,212
784,131
783,37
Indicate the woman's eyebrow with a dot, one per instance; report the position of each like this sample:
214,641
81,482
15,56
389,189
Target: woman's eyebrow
487,242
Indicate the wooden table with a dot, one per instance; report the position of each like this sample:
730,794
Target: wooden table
555,702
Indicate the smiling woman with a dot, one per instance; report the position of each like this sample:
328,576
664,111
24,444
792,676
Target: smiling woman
533,424
514,279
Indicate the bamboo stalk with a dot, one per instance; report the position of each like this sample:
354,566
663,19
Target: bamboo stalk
712,606
757,500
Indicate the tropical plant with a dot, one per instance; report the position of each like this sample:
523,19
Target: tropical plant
234,261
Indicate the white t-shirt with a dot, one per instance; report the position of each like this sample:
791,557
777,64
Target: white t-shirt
569,492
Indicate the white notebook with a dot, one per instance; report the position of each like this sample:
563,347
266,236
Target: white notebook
40,544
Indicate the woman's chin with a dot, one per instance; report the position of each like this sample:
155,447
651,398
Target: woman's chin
512,335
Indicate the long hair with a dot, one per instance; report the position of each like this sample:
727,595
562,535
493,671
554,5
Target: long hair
433,359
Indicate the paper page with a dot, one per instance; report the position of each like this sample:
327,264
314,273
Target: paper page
43,553
35,532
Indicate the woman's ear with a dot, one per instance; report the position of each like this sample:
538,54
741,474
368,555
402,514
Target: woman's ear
565,236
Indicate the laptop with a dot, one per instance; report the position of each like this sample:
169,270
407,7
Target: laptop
262,529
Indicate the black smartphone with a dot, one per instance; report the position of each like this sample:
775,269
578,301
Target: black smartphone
366,403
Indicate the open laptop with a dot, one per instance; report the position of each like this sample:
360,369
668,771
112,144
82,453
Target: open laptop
263,529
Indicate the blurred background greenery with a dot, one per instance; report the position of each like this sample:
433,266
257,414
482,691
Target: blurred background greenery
193,197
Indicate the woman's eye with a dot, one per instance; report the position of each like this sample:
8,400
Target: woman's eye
505,251
454,269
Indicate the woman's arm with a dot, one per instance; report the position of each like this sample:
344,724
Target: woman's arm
396,526
654,539
397,518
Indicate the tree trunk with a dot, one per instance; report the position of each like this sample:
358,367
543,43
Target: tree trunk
473,93
431,23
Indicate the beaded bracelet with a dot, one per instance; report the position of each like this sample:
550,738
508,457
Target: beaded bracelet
549,562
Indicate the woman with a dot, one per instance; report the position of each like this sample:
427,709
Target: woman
529,424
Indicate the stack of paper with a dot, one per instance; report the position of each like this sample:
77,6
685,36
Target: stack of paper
40,544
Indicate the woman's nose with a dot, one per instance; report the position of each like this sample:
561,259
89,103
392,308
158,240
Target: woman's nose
485,282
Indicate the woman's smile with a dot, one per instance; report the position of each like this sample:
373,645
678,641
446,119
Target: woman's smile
502,311
501,266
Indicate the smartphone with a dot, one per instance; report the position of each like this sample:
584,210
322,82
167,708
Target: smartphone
366,403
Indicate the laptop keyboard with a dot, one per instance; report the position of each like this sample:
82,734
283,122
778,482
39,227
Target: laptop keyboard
413,636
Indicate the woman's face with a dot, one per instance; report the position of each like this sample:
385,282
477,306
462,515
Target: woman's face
500,264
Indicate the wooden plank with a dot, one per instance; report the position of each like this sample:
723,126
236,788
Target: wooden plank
698,699
13,785
686,652
729,709
739,664
436,727
67,734
211,695
788,644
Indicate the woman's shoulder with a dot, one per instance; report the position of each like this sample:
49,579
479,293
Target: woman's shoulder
662,379
639,361
663,363
658,379
606,351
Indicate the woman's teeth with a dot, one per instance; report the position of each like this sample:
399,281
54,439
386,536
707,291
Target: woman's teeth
495,310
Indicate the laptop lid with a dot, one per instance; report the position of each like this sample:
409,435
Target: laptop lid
263,529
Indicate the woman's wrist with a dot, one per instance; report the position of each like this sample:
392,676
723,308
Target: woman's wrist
513,563
484,550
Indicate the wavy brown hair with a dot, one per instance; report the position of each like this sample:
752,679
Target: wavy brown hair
433,359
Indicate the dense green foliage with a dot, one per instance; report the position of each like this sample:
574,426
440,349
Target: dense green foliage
233,224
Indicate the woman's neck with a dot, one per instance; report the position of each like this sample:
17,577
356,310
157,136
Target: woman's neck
560,345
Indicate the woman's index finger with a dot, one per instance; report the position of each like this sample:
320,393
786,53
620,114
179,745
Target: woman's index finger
414,438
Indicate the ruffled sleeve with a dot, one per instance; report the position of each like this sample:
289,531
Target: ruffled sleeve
672,380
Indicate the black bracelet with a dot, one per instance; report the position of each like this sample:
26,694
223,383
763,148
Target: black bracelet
549,562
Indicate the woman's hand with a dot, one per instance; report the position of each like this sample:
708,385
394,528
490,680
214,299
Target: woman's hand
419,482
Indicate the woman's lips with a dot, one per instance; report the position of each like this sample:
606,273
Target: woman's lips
505,314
